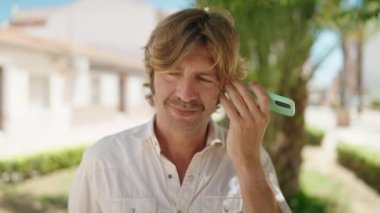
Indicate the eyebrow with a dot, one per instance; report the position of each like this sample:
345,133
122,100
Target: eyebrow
200,72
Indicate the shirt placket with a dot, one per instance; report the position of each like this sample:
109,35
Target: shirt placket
172,180
187,190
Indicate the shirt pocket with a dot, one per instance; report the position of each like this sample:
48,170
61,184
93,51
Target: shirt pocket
222,204
131,205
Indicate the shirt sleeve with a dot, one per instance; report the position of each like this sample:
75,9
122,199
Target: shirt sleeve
82,197
270,173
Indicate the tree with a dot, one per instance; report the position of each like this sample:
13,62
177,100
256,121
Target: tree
349,19
276,37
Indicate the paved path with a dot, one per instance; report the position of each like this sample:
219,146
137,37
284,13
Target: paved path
361,198
363,131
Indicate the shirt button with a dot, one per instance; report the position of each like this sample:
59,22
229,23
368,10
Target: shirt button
170,176
226,209
191,177
133,210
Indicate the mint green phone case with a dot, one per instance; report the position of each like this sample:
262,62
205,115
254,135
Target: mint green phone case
282,105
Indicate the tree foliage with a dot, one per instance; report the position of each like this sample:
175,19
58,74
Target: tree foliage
276,37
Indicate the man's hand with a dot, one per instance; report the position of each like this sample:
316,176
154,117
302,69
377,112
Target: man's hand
248,123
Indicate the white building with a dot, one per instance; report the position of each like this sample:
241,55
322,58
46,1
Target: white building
76,65
116,25
54,85
371,66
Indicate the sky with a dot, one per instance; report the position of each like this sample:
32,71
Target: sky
326,39
171,4
330,67
7,5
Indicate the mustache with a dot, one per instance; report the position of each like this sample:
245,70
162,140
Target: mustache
190,105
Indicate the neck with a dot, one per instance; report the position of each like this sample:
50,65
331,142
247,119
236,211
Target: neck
178,143
180,147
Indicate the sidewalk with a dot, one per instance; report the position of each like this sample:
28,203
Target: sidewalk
363,131
360,197
34,142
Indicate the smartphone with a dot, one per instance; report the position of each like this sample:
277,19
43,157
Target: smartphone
282,105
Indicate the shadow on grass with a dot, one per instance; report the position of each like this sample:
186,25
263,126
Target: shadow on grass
15,202
303,202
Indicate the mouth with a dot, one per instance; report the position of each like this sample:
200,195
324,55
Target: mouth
184,112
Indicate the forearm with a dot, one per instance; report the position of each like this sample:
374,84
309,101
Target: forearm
256,193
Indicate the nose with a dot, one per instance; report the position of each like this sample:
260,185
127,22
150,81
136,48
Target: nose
186,90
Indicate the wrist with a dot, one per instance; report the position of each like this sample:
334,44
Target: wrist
251,172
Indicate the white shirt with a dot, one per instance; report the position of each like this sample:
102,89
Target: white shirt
126,172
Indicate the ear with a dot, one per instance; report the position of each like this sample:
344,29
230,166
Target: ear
149,97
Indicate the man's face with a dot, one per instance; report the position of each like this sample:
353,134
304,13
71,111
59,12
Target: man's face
186,95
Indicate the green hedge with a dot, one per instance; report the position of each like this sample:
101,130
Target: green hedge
314,135
375,104
365,163
21,168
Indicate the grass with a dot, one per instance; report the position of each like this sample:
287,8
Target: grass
319,194
43,194
49,194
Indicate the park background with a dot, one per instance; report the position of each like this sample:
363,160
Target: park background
71,72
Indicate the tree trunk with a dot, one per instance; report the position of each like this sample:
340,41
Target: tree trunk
287,140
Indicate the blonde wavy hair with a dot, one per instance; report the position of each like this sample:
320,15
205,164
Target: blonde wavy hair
181,33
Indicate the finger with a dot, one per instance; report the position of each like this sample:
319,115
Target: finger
248,98
262,97
237,100
230,110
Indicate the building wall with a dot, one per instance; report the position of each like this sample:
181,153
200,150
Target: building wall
34,88
371,65
137,103
122,26
51,92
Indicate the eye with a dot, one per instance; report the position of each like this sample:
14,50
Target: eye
205,79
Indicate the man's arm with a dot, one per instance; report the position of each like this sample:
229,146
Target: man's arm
255,190
248,123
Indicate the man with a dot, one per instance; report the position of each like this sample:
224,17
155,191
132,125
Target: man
180,161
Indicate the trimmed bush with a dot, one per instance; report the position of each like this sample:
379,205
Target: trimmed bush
21,168
314,135
375,104
365,163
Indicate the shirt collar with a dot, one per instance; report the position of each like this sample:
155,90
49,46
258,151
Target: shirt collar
214,134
